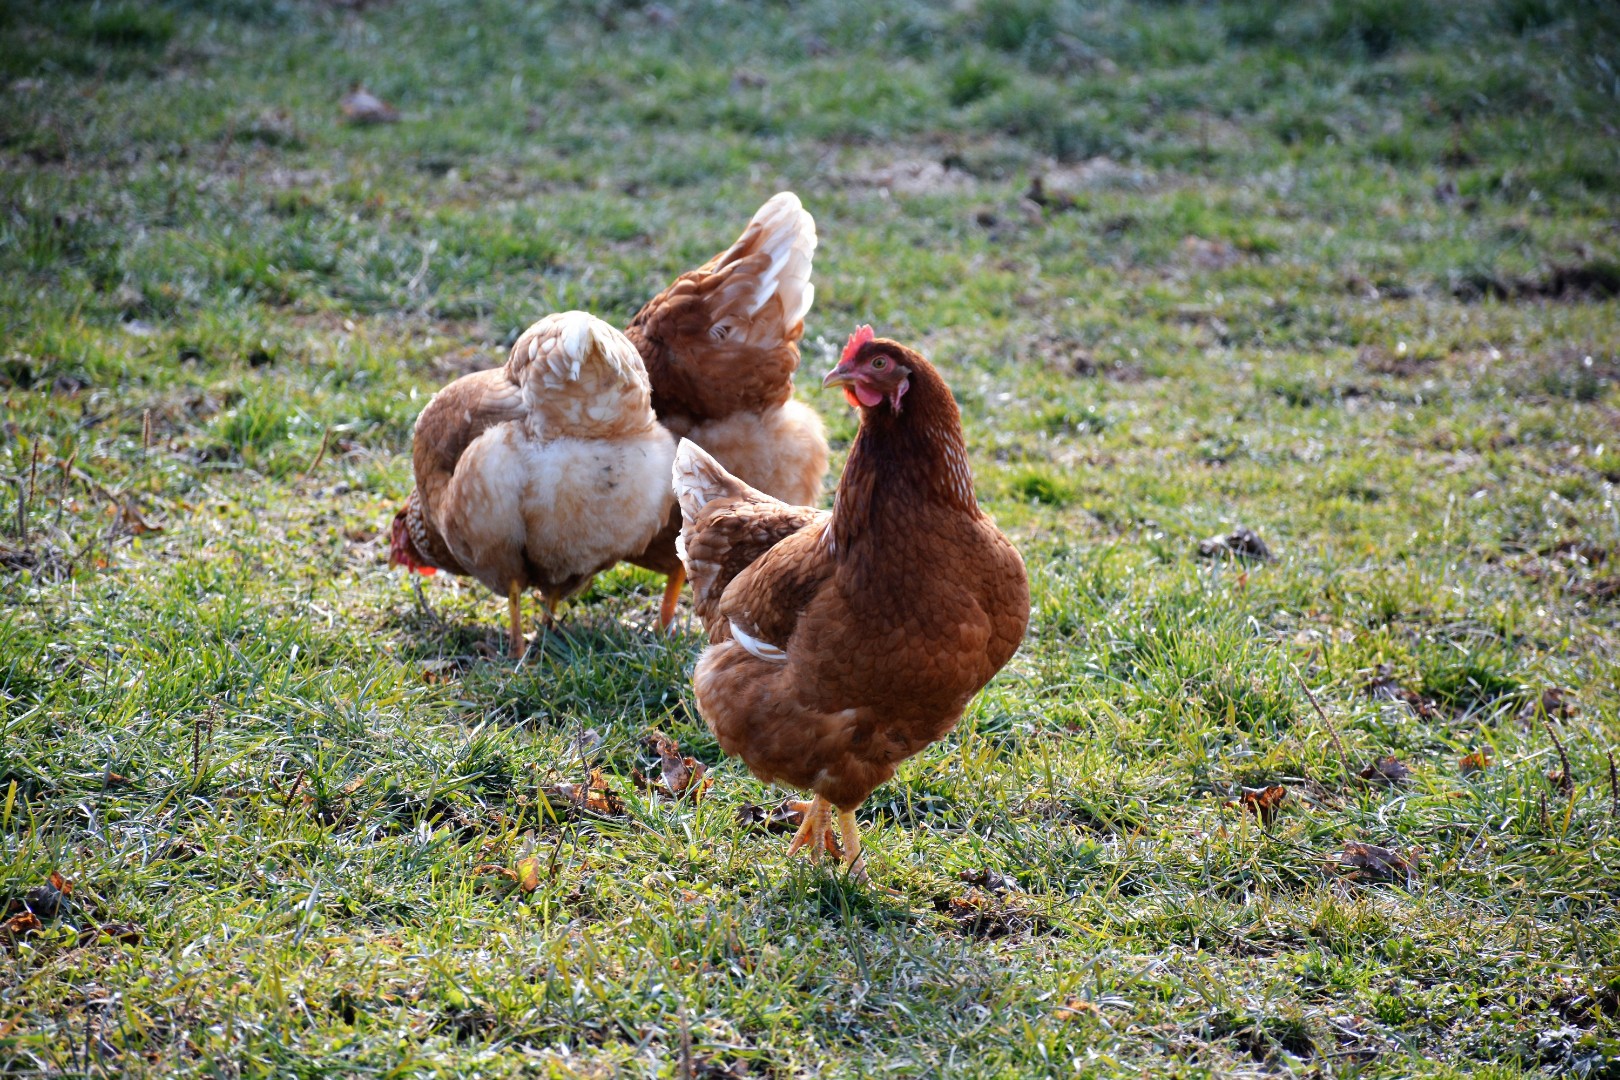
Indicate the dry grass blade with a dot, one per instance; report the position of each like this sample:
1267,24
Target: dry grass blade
320,454
1614,789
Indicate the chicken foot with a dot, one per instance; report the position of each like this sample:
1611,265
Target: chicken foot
854,861
815,832
672,594
514,602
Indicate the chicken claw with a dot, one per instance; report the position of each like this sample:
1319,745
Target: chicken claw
854,860
816,831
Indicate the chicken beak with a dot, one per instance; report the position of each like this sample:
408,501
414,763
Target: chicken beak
838,376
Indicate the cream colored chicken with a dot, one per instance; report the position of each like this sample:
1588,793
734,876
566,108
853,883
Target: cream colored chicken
541,473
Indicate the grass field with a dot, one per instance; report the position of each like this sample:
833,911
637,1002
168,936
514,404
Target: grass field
1342,273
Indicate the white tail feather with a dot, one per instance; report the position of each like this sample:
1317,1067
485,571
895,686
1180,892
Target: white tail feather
567,340
698,479
788,237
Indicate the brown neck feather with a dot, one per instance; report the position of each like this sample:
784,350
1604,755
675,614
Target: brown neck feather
902,459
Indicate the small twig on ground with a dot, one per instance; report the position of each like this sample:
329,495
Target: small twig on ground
33,468
421,271
1566,779
686,1044
146,432
421,601
22,513
198,723
556,852
298,782
1349,776
326,437
62,482
1614,790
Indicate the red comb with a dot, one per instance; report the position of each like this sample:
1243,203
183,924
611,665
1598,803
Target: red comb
860,337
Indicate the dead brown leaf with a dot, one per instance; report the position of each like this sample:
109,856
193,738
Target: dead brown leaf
1550,704
1263,803
1074,1008
593,795
1209,254
24,922
496,876
1383,687
988,917
528,873
1373,863
1387,770
1242,542
438,672
47,899
125,932
1478,761
681,776
992,880
361,106
129,512
784,818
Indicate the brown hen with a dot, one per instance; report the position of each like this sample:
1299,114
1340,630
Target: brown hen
721,345
842,643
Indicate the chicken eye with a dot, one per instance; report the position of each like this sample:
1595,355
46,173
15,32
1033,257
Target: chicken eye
879,363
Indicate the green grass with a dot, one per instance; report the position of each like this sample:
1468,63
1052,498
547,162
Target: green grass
1339,272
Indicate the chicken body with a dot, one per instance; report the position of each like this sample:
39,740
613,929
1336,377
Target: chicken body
721,345
541,473
844,642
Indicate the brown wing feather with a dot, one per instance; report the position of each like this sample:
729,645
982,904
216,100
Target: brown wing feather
731,536
769,595
456,416
725,527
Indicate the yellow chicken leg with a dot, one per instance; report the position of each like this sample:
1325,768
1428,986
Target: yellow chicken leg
672,594
514,611
816,831
851,837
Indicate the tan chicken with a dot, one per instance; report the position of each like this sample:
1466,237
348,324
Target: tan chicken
541,473
842,643
721,345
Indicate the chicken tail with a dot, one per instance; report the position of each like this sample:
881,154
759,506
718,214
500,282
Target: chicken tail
699,480
582,377
784,233
725,526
